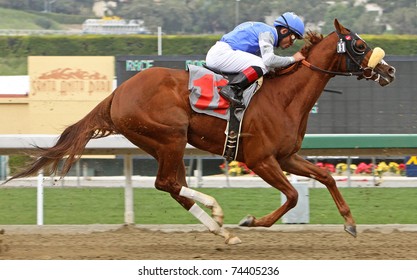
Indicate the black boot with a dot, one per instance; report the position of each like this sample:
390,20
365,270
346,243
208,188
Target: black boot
233,91
233,94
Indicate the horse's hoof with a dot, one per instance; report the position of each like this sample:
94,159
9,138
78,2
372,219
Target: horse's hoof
233,240
351,230
219,220
248,221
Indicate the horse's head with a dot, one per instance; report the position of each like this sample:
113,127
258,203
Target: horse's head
361,60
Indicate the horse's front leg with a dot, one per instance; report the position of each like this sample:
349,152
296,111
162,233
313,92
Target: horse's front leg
270,171
299,166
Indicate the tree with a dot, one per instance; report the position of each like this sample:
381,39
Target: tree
220,16
403,21
349,19
312,12
21,4
72,7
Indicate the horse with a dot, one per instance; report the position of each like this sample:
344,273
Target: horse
153,111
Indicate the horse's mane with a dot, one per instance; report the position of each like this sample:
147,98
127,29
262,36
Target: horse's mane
311,38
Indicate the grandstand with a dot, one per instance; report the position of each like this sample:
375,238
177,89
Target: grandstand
114,26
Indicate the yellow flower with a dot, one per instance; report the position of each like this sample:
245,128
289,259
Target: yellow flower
383,166
233,164
394,167
341,166
235,171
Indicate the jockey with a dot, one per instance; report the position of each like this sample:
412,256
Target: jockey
249,50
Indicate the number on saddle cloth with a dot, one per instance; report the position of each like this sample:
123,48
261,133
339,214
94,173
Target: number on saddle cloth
204,85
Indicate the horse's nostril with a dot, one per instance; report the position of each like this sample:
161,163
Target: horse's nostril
392,71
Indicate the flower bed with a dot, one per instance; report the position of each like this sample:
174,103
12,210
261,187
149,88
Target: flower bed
236,168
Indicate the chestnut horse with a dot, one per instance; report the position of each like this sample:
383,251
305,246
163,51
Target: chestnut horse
152,110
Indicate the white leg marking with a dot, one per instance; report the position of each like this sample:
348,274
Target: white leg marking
206,200
212,225
204,218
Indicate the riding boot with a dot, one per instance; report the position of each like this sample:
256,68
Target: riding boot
233,91
233,94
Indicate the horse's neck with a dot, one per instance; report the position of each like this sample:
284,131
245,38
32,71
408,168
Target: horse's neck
304,87
299,91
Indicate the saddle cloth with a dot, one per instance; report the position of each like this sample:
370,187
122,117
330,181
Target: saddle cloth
204,93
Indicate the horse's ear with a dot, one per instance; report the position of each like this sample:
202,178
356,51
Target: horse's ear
339,27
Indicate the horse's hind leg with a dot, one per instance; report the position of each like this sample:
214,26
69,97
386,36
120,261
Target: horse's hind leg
299,166
208,201
171,178
168,150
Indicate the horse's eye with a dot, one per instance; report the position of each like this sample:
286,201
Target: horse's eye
360,46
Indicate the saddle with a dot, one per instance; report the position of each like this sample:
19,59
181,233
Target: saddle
226,75
234,123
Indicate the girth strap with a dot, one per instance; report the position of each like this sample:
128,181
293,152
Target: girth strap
234,127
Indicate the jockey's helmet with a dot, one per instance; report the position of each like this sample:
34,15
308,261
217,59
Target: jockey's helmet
291,21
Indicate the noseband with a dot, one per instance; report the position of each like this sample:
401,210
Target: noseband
354,56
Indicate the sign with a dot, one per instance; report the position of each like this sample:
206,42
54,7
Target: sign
411,166
128,66
70,77
62,90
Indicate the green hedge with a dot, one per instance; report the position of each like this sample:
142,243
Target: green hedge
395,44
18,46
83,45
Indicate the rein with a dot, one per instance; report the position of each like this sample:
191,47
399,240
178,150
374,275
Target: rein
315,68
304,62
346,46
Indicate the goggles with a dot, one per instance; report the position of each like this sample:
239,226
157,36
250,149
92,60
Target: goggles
293,38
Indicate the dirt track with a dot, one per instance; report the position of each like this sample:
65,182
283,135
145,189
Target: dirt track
137,243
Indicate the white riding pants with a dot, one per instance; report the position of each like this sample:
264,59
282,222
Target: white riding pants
222,57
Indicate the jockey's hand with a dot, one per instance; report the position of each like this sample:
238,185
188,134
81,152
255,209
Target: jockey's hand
298,56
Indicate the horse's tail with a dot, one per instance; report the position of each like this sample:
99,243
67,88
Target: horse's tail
72,141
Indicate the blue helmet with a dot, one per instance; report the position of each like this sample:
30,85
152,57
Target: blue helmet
291,21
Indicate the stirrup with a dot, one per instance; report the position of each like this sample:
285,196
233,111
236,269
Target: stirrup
232,100
236,103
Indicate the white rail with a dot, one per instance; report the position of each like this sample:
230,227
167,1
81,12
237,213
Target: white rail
111,145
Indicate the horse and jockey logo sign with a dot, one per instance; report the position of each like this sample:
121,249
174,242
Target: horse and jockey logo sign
70,77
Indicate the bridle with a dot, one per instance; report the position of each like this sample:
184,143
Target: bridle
354,55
